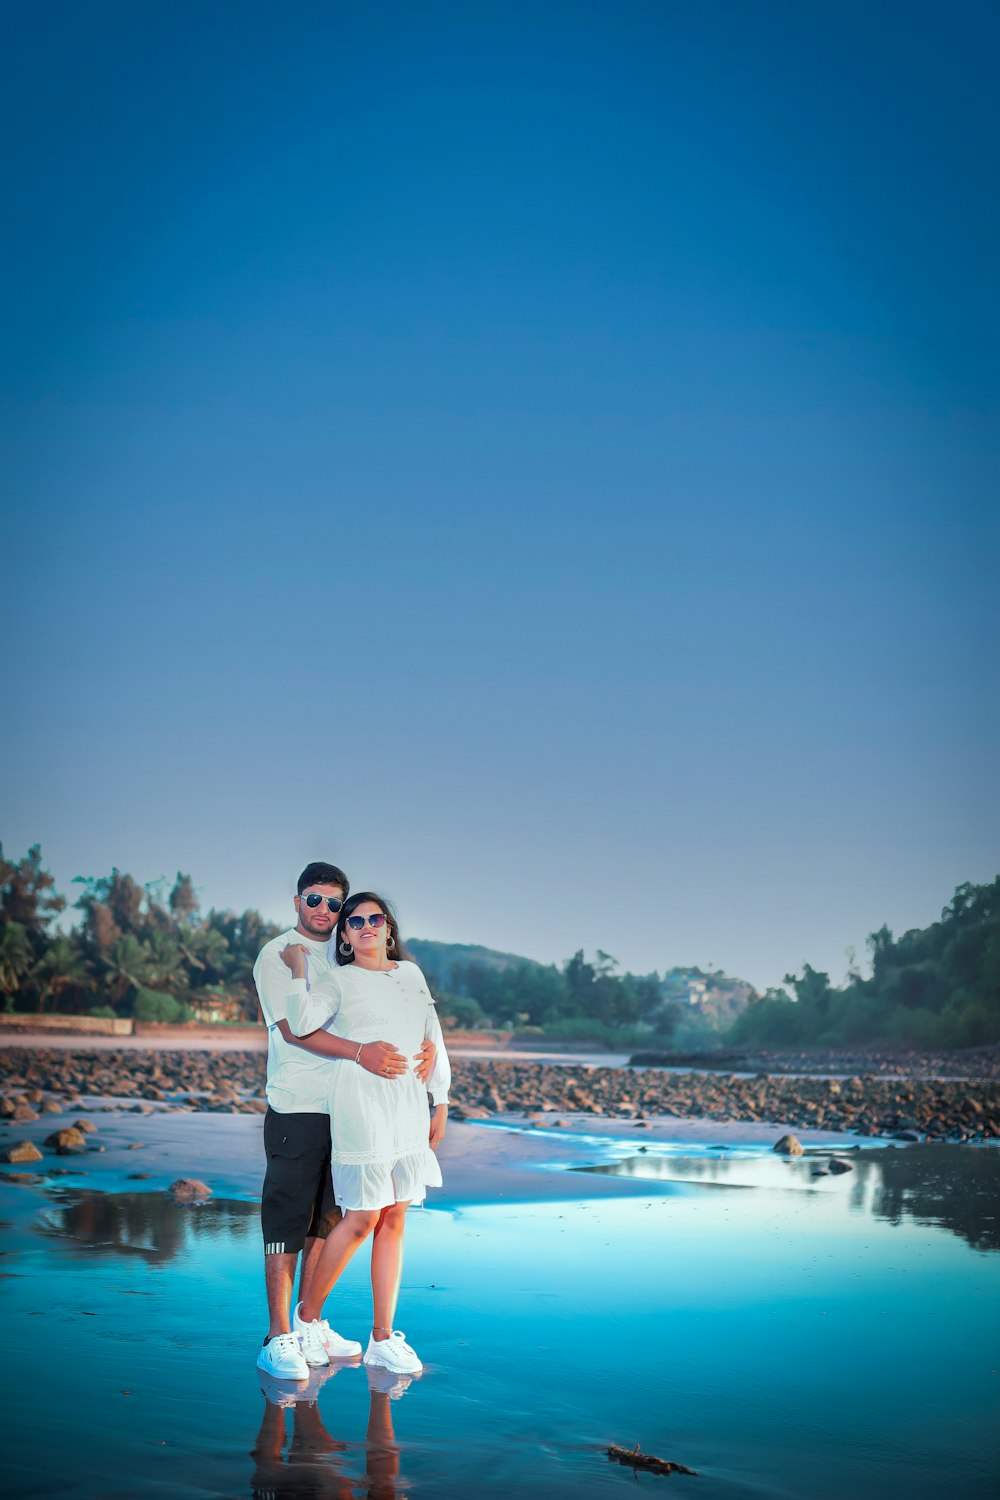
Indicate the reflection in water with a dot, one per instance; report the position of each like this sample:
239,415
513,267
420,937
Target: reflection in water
149,1225
314,1468
957,1187
953,1187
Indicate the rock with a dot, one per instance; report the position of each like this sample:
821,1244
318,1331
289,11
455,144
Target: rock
65,1142
139,1176
189,1191
52,1107
87,1126
838,1167
22,1151
788,1145
23,1113
820,1172
136,1146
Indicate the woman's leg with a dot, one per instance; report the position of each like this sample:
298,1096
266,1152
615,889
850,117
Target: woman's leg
387,1268
338,1247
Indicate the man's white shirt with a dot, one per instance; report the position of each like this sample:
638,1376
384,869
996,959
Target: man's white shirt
298,1082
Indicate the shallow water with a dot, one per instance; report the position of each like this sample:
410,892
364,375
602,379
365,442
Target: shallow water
784,1335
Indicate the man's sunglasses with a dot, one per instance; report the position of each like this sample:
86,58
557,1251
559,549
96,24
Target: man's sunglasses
313,900
375,920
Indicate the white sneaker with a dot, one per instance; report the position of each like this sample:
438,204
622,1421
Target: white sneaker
335,1346
393,1353
311,1340
281,1358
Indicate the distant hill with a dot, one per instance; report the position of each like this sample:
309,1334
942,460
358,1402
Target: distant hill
440,960
511,987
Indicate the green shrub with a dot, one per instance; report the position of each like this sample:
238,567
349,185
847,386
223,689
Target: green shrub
154,1005
102,1012
460,1011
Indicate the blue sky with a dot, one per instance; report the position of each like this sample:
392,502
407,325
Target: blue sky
542,457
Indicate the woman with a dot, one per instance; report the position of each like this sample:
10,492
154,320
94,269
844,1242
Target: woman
382,1142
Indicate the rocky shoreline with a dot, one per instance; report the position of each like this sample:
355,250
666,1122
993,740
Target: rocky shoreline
36,1082
970,1062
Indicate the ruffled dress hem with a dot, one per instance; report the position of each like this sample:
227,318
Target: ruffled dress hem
379,1184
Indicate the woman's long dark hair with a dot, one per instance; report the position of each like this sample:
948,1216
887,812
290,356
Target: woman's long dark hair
394,949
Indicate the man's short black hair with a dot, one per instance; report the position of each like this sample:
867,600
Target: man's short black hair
320,874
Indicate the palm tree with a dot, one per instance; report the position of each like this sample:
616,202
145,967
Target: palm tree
15,959
205,950
165,961
62,967
126,968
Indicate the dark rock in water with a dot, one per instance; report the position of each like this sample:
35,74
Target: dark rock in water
87,1126
139,1176
66,1142
52,1107
23,1113
788,1145
634,1459
188,1190
820,1172
905,1135
22,1151
838,1167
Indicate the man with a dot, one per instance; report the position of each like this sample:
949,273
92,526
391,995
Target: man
297,1208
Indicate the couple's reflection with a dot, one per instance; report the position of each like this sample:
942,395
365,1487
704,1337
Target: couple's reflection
313,1467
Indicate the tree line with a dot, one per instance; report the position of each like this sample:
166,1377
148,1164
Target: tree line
148,951
936,986
137,950
579,1000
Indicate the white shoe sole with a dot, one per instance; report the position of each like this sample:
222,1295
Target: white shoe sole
383,1364
275,1374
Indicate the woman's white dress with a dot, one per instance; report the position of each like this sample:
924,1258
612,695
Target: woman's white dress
379,1127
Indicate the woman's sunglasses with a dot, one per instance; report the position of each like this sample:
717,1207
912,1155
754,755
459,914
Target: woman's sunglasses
313,900
375,920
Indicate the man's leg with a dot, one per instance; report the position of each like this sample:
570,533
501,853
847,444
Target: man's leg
325,1216
294,1145
279,1278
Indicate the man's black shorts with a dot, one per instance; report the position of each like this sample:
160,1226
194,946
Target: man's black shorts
297,1199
